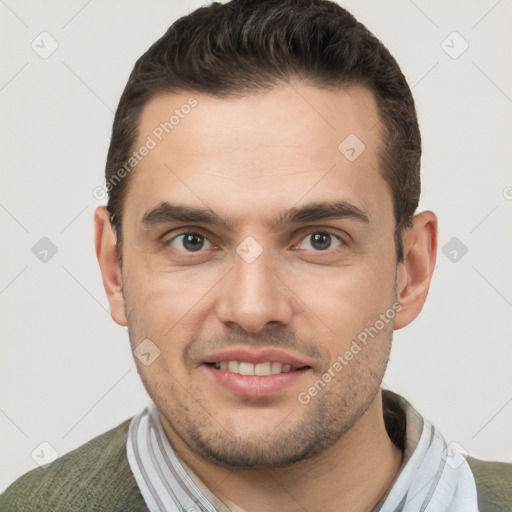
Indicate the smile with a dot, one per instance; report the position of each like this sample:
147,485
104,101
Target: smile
260,369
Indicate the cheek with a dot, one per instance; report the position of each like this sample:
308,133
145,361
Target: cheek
349,299
167,307
160,295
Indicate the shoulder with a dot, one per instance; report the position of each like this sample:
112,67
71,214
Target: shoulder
494,484
95,476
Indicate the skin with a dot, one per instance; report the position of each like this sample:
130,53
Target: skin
247,159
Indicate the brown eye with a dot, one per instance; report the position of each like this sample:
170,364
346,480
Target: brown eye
190,242
319,241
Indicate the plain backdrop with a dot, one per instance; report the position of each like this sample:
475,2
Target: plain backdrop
67,373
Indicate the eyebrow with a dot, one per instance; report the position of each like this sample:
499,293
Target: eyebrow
166,212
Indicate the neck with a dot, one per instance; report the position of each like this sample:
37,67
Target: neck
353,475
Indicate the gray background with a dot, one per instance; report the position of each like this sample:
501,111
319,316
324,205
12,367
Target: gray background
67,373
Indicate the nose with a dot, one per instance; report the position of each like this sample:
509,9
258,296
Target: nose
253,295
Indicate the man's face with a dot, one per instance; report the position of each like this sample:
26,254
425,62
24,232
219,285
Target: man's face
255,290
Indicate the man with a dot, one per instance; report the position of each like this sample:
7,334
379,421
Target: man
261,243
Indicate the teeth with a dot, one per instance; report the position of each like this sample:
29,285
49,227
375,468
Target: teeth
234,366
276,368
245,368
260,369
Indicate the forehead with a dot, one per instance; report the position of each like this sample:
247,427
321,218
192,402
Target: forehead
251,155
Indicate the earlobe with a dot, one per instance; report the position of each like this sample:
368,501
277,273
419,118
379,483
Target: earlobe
106,252
414,273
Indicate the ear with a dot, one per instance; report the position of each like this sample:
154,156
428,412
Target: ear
106,252
415,271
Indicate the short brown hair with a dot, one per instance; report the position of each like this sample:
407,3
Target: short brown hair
246,46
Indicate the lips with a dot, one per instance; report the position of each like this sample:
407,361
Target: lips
255,357
255,374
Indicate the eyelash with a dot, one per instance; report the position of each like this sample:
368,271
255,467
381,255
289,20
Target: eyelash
200,251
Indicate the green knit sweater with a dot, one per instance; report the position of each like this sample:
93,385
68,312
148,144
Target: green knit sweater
94,477
97,477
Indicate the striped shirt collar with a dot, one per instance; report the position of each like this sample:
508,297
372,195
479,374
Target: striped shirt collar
433,476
